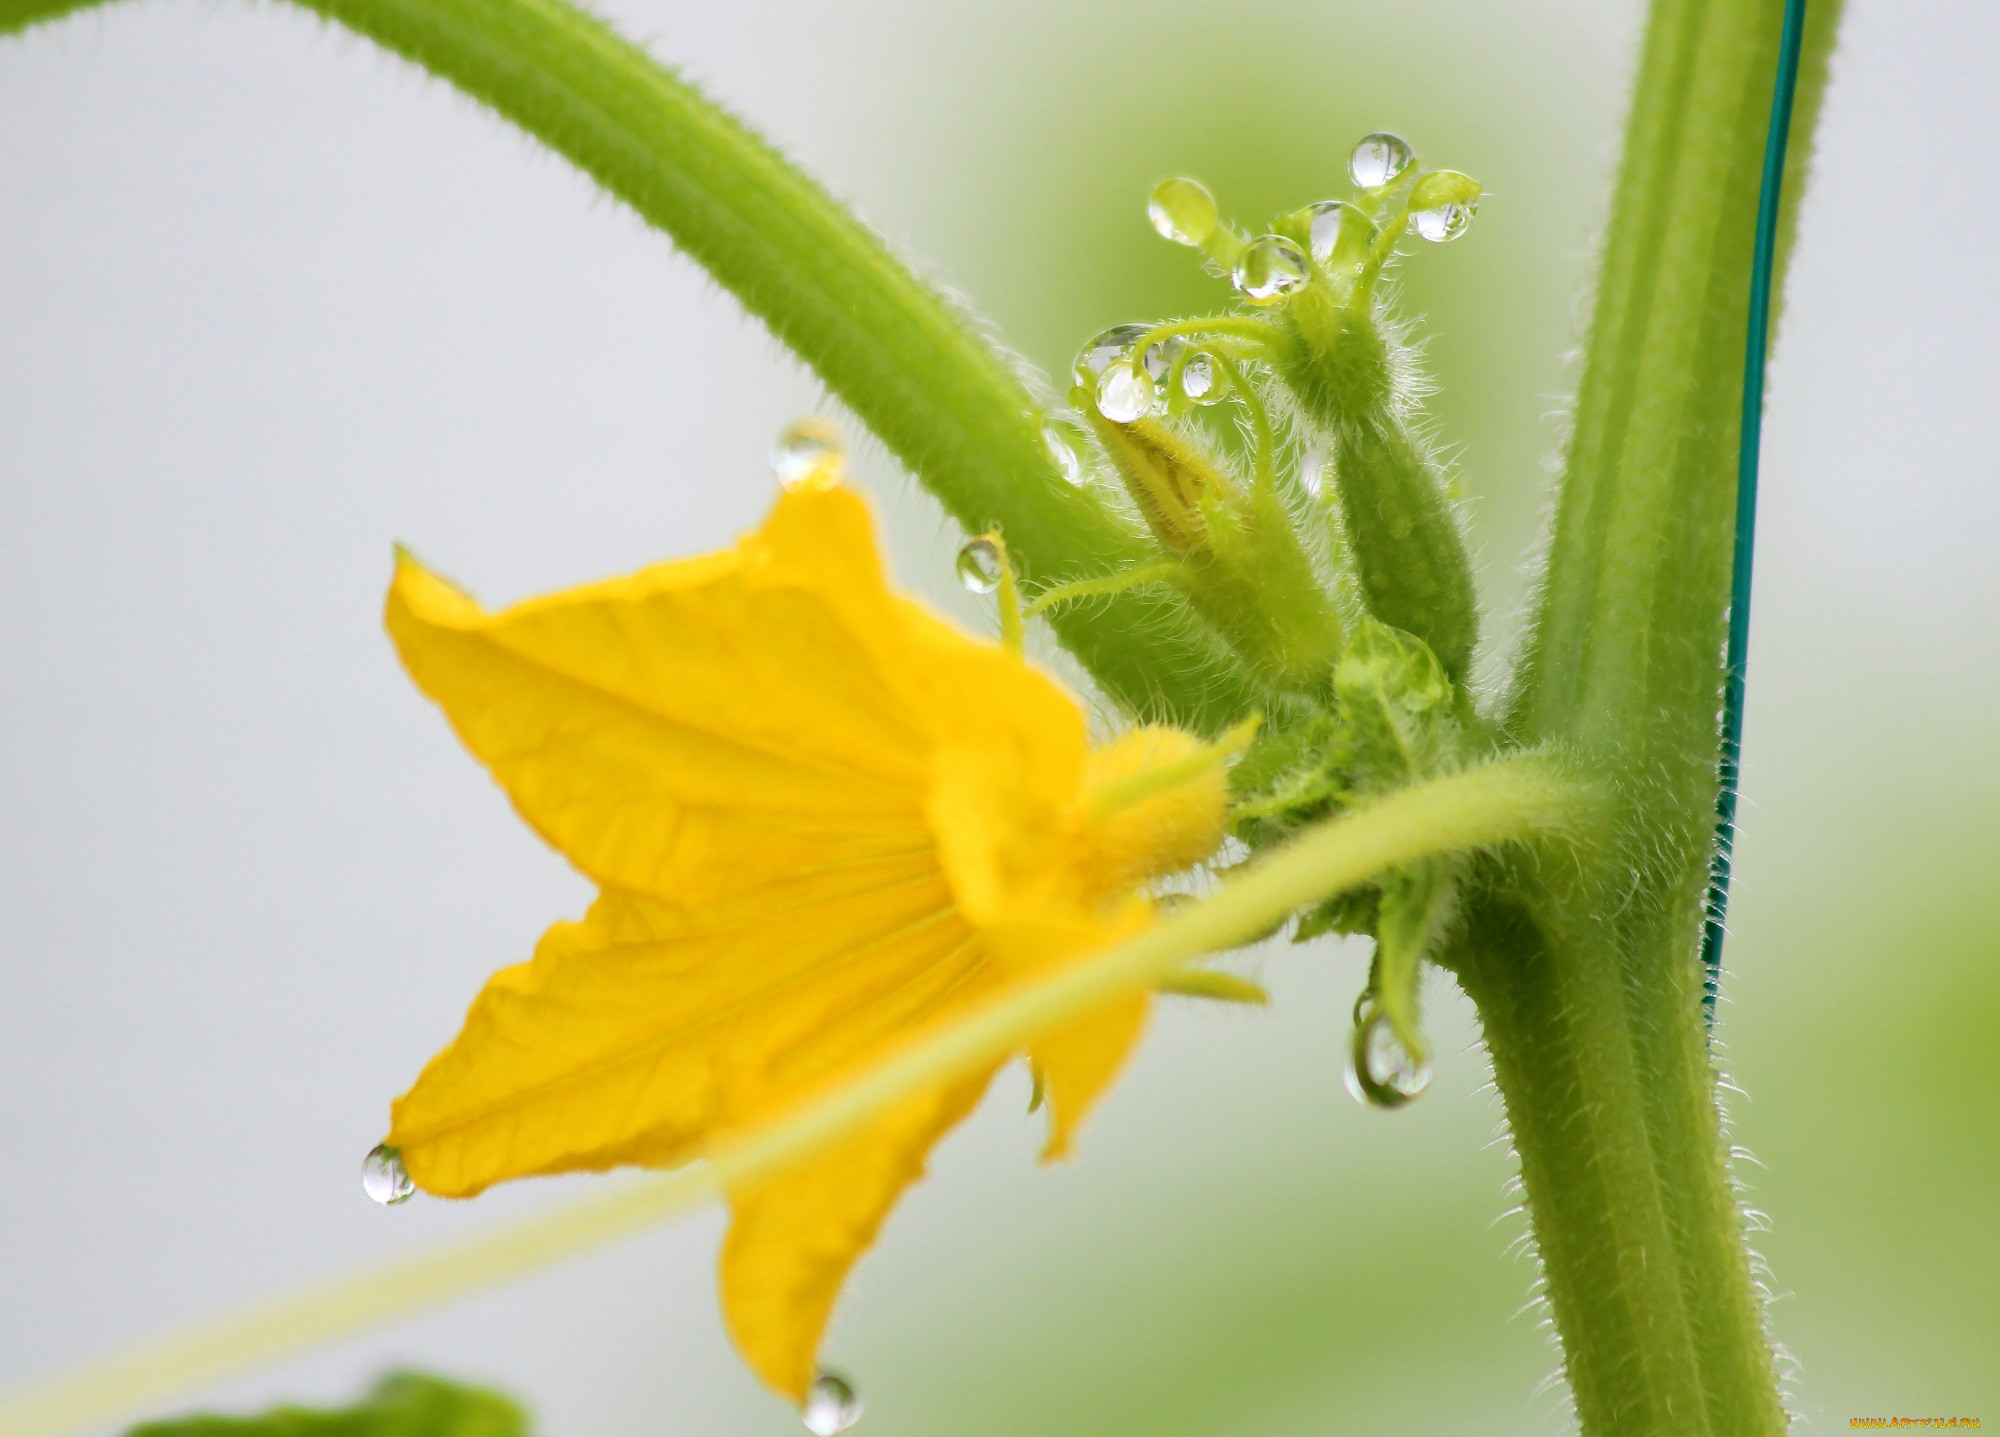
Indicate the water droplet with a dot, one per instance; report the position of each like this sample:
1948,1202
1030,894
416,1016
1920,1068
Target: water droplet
831,1406
1097,355
1328,218
1271,268
1125,392
808,451
1063,450
1159,358
1183,211
1380,159
1441,223
1200,382
1313,472
383,1178
979,566
1383,1073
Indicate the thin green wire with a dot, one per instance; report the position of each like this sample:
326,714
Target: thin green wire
1756,346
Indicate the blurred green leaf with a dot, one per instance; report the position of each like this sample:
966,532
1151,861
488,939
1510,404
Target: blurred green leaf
403,1404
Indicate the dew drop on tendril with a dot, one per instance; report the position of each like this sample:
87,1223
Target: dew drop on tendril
1200,382
1096,356
1380,159
1160,356
979,566
808,451
383,1178
832,1406
1383,1073
1441,222
1328,218
1271,268
1125,393
1183,211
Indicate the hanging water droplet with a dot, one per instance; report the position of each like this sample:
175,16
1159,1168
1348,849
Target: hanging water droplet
1380,159
832,1406
1383,1073
1125,393
1159,358
1095,357
1200,382
1271,268
383,1178
1063,450
1183,211
979,566
1328,218
1441,222
808,451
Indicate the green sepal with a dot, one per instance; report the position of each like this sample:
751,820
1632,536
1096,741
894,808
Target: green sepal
1246,569
1397,706
1415,908
1348,914
1445,187
1214,985
402,1404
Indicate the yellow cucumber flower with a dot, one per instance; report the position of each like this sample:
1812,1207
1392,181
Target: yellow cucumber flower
823,823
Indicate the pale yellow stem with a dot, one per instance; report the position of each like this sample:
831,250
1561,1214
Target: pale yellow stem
1513,799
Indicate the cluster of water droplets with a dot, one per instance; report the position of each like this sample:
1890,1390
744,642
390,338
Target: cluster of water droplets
1382,1072
1127,384
1120,382
831,1407
383,1178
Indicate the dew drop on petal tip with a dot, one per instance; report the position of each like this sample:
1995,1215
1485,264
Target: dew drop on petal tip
1383,1073
383,1178
808,451
1125,393
831,1406
1271,268
1441,223
1183,211
979,566
1096,356
1380,159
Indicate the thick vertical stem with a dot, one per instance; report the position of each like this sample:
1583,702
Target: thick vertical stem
1589,986
1611,1103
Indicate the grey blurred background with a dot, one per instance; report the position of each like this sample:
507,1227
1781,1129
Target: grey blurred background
270,301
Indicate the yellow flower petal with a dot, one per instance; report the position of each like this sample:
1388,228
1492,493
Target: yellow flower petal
1079,1062
823,823
794,1236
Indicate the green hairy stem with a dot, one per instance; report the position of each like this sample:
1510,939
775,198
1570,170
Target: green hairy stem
1588,982
1409,552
